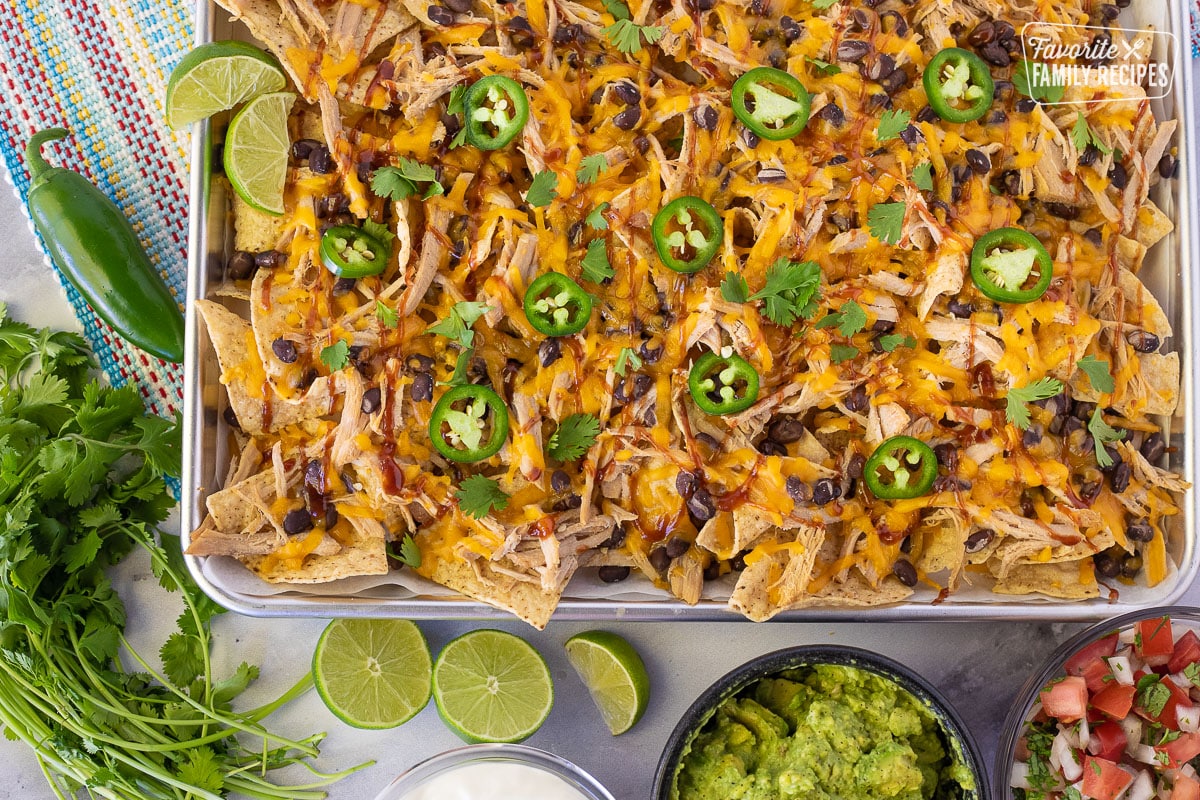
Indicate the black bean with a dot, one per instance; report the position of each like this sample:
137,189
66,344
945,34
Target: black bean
947,455
331,516
627,92
771,175
790,29
769,447
758,7
677,546
302,148
882,66
840,222
926,114
911,135
230,418
960,309
1106,565
838,159
833,114
797,489
332,204
879,100
997,117
641,384
371,400
297,520
567,503
853,50
857,400
1094,237
241,265
884,325
701,505
685,483
440,15
560,481
1168,166
418,362
1089,491
712,570
785,430
1119,479
996,54
1118,176
983,33
979,540
978,161
1123,3
1142,341
1109,11
659,559
1010,182
1025,105
343,286
945,483
702,5
651,351
284,350
566,34
825,491
894,81
709,440
549,351
320,161
628,119
422,388
905,572
1131,565
1089,156
706,117
1033,435
1139,530
458,6
268,259
1154,447
1062,210
612,573
862,20
749,137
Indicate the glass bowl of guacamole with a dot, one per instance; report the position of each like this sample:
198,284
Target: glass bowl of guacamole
821,722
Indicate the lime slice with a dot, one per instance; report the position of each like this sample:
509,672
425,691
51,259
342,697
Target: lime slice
614,675
216,77
491,686
256,151
373,673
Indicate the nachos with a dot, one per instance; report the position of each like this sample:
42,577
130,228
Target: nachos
795,303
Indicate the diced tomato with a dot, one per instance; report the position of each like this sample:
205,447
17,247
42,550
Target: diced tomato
1187,651
1115,700
1096,673
1103,779
1067,699
1181,750
1185,788
1154,641
1110,739
1101,648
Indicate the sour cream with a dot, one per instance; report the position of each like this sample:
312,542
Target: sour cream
494,780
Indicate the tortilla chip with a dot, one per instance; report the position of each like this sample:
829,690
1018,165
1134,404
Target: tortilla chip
1152,225
856,591
364,554
254,231
1159,375
229,508
942,545
777,574
1066,580
524,600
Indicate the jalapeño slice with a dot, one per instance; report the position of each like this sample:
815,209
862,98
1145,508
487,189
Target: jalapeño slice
959,85
556,305
771,103
351,252
469,423
723,383
900,468
687,233
496,110
1010,265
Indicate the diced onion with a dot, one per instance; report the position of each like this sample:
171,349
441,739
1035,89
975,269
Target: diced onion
1121,669
1127,636
1018,778
1142,787
1188,769
1179,680
1132,725
1144,753
1188,718
1065,759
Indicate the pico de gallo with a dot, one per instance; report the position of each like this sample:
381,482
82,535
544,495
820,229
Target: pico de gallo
1123,723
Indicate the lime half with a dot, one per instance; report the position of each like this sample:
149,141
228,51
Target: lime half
491,686
614,675
256,151
373,673
216,77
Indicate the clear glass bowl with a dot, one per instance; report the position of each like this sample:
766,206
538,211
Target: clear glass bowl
480,754
1053,668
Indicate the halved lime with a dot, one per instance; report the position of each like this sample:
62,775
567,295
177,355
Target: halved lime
256,151
373,673
614,675
216,77
491,686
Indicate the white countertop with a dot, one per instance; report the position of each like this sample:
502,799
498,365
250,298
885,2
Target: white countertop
979,665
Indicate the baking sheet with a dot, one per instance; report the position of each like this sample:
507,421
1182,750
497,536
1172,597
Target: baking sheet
406,594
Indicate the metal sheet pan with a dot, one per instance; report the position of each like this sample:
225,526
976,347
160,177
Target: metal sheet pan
205,456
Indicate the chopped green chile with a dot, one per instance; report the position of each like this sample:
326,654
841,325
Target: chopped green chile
460,423
958,85
723,383
1010,265
687,233
555,305
901,468
496,110
351,252
772,103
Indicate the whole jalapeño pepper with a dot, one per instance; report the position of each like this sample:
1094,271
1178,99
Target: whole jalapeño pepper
95,247
901,468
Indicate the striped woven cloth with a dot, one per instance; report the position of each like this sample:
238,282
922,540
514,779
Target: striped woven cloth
99,68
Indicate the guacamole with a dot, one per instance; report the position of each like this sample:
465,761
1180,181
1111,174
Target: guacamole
824,732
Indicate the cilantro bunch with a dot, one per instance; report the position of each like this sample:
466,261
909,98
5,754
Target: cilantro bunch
81,487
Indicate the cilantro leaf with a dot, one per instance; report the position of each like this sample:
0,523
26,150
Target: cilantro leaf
922,176
200,768
1152,695
386,316
336,356
626,359
595,264
1016,412
410,553
790,292
734,288
1192,673
400,181
543,189
1034,80
891,341
891,123
842,352
595,218
1103,434
454,105
627,36
591,167
849,319
479,496
379,231
617,8
1098,373
574,436
461,365
1083,135
457,325
886,221
823,67
823,4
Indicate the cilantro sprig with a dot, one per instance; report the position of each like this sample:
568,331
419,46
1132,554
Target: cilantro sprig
479,496
849,319
891,123
574,436
402,181
627,359
457,328
1103,435
1034,80
1016,411
624,33
595,265
886,221
590,168
790,292
409,553
1098,373
1083,135
543,189
922,176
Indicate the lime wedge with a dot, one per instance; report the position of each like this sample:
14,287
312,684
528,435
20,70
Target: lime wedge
614,675
491,686
216,77
373,673
256,151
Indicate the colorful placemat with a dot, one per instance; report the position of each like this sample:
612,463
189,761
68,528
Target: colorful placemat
99,68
